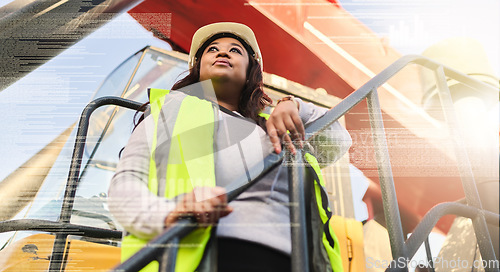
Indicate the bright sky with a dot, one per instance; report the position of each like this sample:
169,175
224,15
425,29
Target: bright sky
413,25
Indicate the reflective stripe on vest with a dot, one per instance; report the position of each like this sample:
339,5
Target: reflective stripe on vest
189,165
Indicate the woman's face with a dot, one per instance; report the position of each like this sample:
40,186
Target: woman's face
225,60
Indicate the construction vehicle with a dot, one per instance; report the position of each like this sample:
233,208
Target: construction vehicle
65,225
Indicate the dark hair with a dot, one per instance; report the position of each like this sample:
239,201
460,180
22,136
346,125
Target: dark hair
252,99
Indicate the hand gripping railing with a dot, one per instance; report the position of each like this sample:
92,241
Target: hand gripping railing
399,248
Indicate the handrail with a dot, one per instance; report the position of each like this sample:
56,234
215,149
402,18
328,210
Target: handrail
464,167
399,247
74,172
297,199
431,218
368,91
83,126
62,228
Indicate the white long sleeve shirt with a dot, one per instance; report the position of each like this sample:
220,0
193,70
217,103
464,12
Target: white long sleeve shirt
261,214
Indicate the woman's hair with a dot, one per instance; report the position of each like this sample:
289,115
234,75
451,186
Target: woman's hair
252,99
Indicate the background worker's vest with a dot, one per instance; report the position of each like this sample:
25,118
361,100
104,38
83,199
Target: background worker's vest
191,163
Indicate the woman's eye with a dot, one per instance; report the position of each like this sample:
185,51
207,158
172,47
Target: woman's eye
235,50
212,48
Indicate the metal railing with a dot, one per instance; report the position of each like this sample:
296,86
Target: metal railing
399,247
63,228
157,248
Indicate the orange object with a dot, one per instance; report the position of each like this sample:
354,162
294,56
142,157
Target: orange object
33,254
349,233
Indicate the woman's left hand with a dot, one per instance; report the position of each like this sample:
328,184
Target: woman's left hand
285,117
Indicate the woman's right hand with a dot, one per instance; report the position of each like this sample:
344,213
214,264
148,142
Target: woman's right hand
206,204
285,117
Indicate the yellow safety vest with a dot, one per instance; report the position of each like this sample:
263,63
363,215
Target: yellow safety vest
183,175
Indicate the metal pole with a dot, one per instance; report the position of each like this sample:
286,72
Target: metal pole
74,170
464,167
300,255
429,254
169,256
433,215
389,198
56,259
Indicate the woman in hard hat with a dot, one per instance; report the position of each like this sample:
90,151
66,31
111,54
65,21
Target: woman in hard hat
198,140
